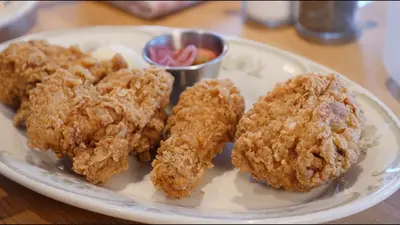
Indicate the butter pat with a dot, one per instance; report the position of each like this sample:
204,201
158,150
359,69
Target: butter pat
131,57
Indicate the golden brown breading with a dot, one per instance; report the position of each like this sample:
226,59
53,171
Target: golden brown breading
151,135
203,120
98,126
301,135
24,64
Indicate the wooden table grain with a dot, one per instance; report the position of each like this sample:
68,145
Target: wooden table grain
361,61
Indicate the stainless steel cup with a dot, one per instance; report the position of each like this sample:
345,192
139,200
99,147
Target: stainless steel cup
186,76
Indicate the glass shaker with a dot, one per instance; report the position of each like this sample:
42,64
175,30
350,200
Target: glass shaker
328,22
391,50
271,14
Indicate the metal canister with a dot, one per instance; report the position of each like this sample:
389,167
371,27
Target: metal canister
328,22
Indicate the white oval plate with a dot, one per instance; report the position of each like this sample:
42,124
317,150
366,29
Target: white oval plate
13,10
225,195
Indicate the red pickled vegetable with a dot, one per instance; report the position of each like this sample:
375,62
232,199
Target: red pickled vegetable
159,52
167,61
188,56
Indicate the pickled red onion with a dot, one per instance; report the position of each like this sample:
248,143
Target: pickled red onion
159,52
186,56
166,57
167,61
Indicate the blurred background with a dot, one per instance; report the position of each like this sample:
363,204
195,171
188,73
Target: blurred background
339,25
321,21
321,27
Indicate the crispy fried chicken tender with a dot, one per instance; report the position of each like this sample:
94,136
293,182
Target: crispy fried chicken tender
98,126
302,134
204,119
25,64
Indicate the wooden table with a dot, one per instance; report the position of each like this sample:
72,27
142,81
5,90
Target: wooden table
360,61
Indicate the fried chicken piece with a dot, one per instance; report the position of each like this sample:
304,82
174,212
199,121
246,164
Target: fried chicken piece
301,135
24,64
204,119
151,135
98,126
